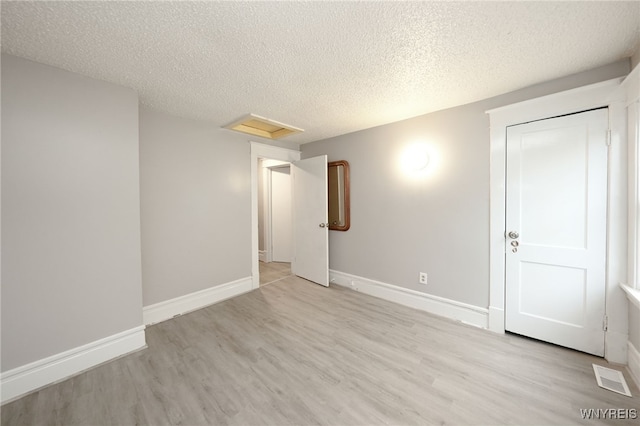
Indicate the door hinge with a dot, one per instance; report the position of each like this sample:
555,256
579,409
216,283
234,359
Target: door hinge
608,137
605,323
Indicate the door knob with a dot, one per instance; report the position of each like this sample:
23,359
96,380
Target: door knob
324,225
513,234
514,243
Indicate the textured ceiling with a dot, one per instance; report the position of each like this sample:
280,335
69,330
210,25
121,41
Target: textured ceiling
327,67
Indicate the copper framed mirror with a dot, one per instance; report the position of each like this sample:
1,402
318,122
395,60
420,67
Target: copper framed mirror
339,203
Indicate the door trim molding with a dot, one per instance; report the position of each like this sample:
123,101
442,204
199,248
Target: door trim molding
603,94
261,150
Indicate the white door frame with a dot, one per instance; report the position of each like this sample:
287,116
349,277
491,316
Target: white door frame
261,150
609,94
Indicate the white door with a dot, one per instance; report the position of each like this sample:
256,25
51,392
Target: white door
281,228
310,217
556,230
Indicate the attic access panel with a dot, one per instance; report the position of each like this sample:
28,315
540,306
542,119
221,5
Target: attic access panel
259,126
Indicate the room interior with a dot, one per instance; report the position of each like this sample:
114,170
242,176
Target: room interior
132,218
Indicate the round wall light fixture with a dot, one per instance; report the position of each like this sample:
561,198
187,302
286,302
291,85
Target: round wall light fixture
415,158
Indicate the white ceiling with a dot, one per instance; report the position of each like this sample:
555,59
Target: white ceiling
328,67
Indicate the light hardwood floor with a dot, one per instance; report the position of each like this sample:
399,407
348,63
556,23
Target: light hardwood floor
273,271
296,353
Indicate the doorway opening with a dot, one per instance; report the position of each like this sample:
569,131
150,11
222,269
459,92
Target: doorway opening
259,153
595,96
310,248
556,201
275,225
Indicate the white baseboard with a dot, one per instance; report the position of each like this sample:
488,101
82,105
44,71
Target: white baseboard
190,302
27,378
441,306
262,256
633,359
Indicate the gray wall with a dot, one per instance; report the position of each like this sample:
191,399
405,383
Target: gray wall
195,206
438,225
71,270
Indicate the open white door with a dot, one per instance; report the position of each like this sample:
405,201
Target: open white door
310,220
556,230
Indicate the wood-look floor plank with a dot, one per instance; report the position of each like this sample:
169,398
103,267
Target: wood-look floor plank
273,271
295,353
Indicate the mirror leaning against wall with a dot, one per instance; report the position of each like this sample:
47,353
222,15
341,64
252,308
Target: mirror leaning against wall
339,203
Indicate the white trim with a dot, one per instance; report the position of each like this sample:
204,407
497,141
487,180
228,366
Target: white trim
274,164
262,255
30,377
615,345
468,314
604,94
632,294
569,101
266,213
634,363
496,319
633,191
168,309
631,85
260,150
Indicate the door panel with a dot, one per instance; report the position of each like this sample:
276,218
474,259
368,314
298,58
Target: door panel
552,168
537,281
310,220
556,203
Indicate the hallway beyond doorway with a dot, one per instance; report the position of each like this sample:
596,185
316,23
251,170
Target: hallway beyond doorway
273,271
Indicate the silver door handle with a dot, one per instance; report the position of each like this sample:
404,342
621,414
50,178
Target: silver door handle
513,234
324,225
514,243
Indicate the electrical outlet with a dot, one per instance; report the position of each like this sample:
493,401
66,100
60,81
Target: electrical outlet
423,278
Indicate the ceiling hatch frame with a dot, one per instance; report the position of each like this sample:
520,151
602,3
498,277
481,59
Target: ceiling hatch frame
256,125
